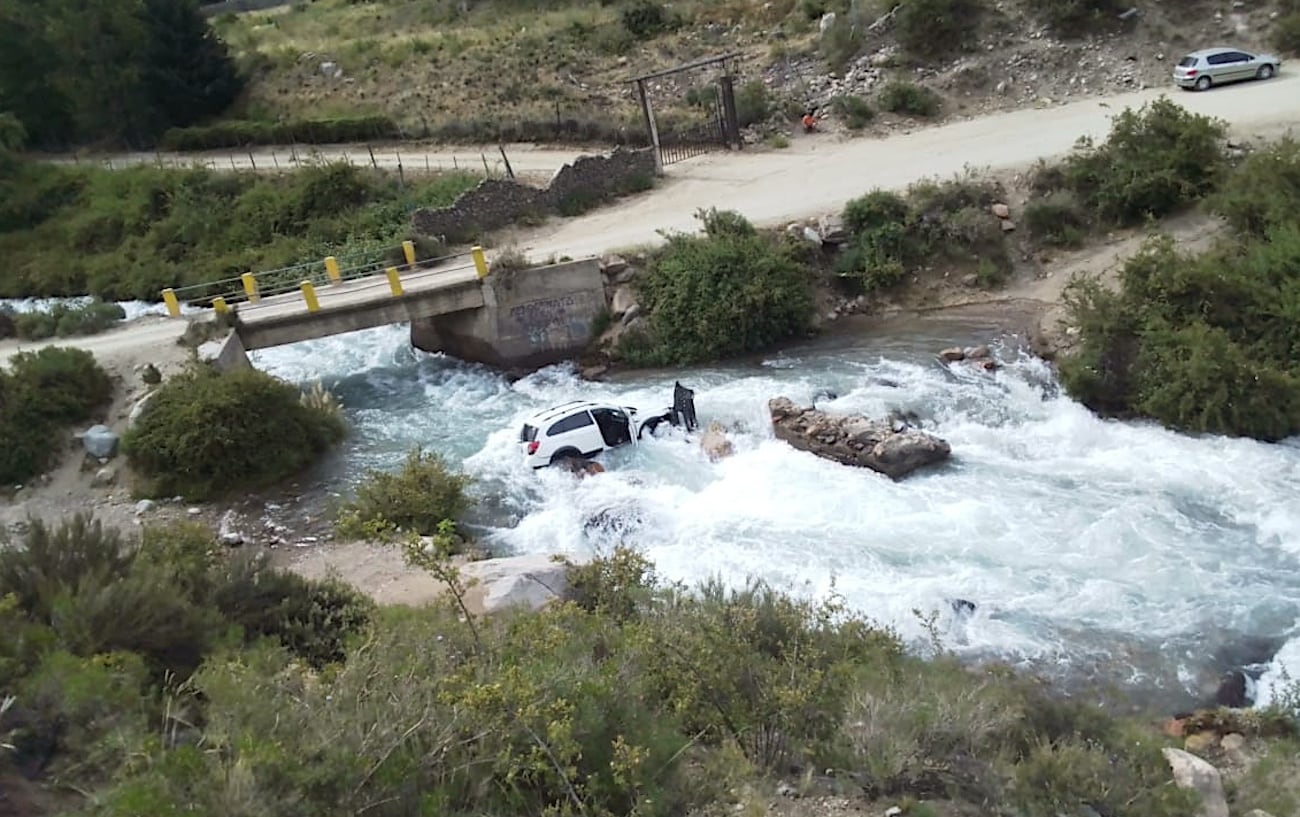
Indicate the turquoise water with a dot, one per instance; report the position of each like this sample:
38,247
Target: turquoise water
1091,548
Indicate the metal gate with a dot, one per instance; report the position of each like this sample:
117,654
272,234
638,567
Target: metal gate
704,132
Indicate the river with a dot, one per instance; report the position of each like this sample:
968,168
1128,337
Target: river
1092,549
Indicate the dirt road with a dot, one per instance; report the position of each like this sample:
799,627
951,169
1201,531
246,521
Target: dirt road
819,174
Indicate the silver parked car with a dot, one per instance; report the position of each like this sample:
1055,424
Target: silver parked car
1219,66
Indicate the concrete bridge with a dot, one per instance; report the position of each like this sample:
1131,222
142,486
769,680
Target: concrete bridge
516,320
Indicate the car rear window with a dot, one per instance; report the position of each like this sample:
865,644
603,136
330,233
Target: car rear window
1187,62
528,433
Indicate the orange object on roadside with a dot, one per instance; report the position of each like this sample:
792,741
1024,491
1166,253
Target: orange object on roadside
809,122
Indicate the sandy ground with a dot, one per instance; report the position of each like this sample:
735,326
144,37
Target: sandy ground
69,487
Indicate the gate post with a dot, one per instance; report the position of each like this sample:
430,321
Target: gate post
650,125
731,121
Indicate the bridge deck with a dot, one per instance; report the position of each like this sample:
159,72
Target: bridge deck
361,303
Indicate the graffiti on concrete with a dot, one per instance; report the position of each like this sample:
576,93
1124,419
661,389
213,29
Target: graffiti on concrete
541,315
554,322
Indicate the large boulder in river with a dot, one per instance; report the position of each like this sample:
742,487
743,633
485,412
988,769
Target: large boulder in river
894,451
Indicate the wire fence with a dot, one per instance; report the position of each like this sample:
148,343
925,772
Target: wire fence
281,159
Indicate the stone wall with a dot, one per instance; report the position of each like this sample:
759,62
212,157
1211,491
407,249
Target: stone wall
497,203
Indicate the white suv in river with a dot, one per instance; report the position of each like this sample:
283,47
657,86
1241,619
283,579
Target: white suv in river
583,429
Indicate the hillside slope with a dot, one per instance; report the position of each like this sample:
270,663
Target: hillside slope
558,70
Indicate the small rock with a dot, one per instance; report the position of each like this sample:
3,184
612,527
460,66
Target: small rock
104,476
970,280
624,299
1001,210
1191,772
194,511
825,23
953,354
632,314
227,532
978,352
1200,742
1008,225
613,264
784,789
143,507
1233,743
1258,812
100,441
893,811
150,375
811,236
715,443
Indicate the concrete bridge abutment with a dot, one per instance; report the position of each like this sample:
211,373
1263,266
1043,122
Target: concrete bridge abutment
530,318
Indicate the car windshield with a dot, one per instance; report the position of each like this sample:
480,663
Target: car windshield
1187,62
527,434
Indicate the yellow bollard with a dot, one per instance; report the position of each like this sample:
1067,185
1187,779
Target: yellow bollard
173,305
219,304
309,295
395,282
408,250
332,270
480,261
250,287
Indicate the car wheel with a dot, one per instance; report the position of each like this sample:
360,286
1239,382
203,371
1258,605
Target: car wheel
565,454
1264,72
1203,84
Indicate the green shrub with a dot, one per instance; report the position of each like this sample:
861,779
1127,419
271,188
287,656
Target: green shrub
84,714
716,296
910,99
1286,33
1057,219
950,220
207,434
1076,18
1196,378
841,42
1155,160
759,668
1127,780
1201,343
138,230
418,498
936,29
8,326
876,209
41,395
64,320
1264,192
647,19
236,133
311,619
753,103
854,110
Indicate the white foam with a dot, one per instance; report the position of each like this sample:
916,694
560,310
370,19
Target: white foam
1280,682
133,309
1082,541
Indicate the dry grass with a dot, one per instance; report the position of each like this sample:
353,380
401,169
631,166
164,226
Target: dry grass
441,74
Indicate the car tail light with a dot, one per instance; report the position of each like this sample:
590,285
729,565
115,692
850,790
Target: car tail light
532,447
1191,72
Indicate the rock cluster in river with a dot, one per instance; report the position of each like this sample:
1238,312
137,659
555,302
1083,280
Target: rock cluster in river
892,449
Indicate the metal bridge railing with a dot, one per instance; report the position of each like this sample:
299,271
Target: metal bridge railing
249,290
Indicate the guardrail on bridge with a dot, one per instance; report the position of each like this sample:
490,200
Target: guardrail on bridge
251,288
